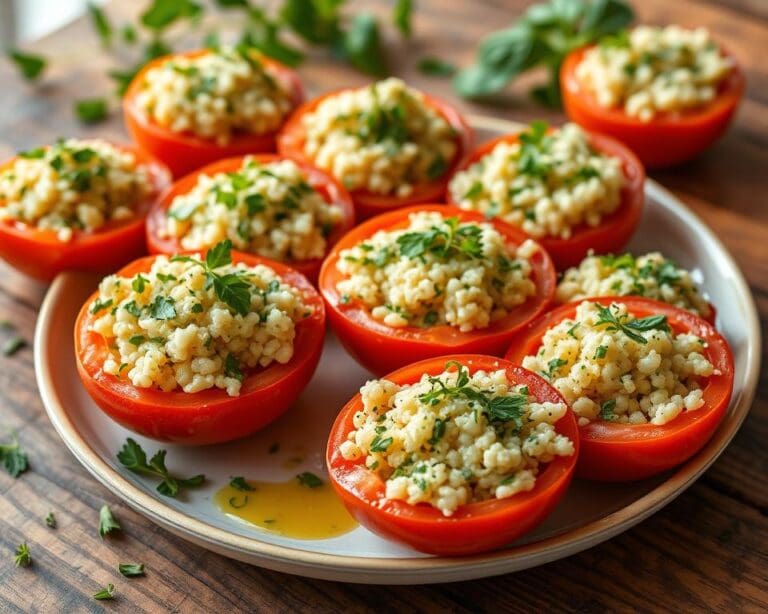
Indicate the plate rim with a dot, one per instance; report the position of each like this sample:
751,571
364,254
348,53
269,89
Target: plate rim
400,570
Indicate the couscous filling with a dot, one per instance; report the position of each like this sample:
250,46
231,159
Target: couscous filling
610,365
215,95
547,183
652,70
73,185
383,138
651,275
196,323
455,438
266,209
437,271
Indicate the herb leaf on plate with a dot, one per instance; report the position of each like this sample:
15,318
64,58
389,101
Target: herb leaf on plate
133,457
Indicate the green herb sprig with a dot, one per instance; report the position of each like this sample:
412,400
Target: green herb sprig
23,557
107,522
631,328
542,37
234,289
13,457
133,457
445,241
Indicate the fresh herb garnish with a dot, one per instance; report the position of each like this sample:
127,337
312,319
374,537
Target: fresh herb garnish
106,593
545,34
600,352
436,67
23,557
91,110
131,570
13,345
380,445
232,367
606,410
234,289
239,483
107,522
438,431
310,480
100,23
50,520
445,241
99,305
30,65
133,457
553,367
13,457
630,328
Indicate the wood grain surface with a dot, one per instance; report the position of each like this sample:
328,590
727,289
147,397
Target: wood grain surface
706,551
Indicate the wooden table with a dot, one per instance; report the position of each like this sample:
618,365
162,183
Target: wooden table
707,550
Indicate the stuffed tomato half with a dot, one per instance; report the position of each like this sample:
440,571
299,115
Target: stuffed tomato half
199,349
430,280
79,204
453,455
264,204
571,190
649,383
390,145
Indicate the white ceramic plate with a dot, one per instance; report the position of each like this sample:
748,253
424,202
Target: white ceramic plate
589,514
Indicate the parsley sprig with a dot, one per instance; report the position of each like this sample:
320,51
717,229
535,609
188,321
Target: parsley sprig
13,457
499,410
234,289
133,457
631,328
445,241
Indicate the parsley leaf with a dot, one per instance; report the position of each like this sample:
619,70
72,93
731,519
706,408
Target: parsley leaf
23,557
380,445
131,570
232,367
606,410
50,520
438,431
239,483
13,457
163,308
100,23
91,110
629,328
310,480
106,593
436,67
133,457
30,65
401,16
107,522
554,365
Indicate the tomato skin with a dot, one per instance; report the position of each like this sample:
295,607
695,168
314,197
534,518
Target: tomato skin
328,187
210,416
614,231
290,142
614,452
183,152
382,348
40,254
474,527
666,140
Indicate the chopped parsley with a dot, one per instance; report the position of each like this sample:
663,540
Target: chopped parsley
310,480
131,570
606,410
239,483
133,457
445,241
107,522
106,593
13,457
23,557
631,328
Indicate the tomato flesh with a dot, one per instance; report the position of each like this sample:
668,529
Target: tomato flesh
209,416
329,189
622,452
474,527
614,230
666,140
40,254
291,139
185,152
383,348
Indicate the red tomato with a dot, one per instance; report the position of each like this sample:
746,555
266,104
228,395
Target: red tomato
209,416
184,152
40,254
620,452
474,527
328,187
291,139
383,348
669,138
614,231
